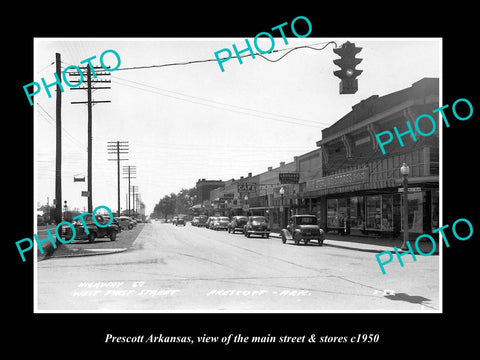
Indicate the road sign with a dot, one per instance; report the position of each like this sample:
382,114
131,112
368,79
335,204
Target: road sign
85,193
411,189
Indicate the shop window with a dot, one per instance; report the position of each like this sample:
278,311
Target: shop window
387,212
374,212
336,213
357,212
435,210
415,212
332,213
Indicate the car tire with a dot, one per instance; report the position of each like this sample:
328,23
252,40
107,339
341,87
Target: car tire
297,238
91,237
233,231
267,236
130,226
284,238
113,236
320,242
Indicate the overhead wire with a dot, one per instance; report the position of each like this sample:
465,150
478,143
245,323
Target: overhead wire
232,57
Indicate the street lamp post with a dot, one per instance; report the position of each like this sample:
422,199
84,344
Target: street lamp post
282,192
405,171
246,203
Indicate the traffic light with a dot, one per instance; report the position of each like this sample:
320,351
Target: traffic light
347,63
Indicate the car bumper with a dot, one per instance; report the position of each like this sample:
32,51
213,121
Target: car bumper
319,237
258,232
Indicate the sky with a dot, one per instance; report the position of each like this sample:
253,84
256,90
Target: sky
188,122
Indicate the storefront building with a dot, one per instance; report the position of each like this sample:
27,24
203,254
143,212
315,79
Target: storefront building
359,191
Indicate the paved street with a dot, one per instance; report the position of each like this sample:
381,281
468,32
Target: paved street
183,269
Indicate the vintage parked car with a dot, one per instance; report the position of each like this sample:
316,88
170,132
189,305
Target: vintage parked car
237,224
303,227
94,231
209,222
194,221
125,222
202,220
180,221
257,225
220,222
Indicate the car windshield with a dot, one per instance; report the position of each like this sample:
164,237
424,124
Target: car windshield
307,220
258,219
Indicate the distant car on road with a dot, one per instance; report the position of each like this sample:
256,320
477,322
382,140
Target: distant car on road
125,222
303,227
220,222
94,231
202,220
237,224
209,222
194,221
257,225
180,221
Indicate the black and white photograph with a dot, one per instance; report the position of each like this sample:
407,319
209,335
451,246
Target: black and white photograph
218,179
263,182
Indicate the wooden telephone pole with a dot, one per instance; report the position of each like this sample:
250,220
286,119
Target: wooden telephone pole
58,150
118,147
90,103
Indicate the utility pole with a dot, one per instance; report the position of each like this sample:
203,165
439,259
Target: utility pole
118,147
90,103
134,191
129,170
58,150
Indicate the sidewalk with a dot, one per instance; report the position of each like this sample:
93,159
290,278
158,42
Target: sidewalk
370,244
101,246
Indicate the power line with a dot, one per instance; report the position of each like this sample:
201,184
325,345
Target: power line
218,102
222,108
233,57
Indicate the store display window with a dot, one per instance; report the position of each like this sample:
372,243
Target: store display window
387,213
357,212
415,212
373,212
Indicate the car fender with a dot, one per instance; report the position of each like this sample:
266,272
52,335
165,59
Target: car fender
287,234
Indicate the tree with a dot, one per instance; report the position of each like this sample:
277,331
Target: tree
175,204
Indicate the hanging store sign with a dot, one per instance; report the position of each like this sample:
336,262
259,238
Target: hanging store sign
411,189
289,178
358,176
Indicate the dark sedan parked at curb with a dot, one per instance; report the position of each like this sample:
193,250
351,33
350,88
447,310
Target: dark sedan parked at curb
237,224
94,231
257,225
303,227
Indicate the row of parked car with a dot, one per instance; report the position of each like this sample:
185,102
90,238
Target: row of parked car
88,229
248,225
300,228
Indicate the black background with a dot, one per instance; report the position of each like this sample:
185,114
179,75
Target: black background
60,335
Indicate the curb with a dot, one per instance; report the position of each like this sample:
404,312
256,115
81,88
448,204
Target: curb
86,252
363,247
